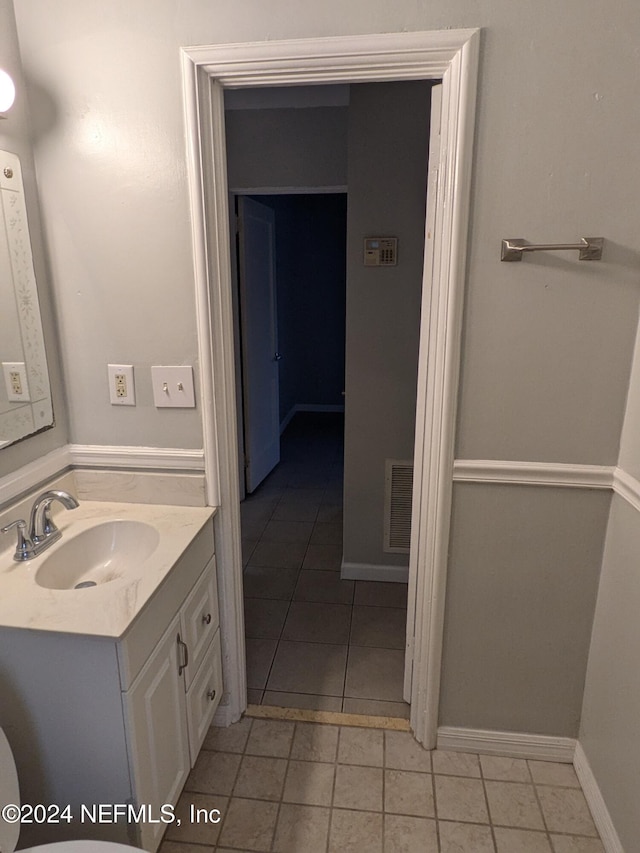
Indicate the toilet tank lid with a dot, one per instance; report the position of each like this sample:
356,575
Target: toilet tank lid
9,794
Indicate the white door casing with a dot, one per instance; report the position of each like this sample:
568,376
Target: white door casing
447,55
259,340
433,176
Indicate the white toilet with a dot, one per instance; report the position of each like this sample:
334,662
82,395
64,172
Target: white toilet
9,832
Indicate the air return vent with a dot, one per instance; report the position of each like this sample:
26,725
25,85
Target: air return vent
398,486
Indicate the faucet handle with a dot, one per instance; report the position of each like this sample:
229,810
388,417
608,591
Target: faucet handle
24,544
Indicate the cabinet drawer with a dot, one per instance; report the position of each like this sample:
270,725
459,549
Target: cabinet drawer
203,697
200,620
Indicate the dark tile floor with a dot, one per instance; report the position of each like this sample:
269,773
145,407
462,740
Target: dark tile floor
314,640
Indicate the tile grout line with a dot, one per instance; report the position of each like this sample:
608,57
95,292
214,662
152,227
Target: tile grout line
435,801
384,790
233,786
346,661
539,802
486,800
284,782
333,785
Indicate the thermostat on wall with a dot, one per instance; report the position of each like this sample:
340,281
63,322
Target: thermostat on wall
380,251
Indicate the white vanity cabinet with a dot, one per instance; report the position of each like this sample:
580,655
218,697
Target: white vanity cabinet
169,706
116,719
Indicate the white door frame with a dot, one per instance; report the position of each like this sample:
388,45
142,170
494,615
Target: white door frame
447,55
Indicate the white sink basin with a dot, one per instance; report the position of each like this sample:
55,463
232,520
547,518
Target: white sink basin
98,555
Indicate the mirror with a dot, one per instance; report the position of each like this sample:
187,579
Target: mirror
25,395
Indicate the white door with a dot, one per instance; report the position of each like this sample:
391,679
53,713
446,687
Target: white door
259,336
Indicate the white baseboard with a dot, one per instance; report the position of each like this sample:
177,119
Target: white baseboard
319,407
374,572
597,805
512,744
287,419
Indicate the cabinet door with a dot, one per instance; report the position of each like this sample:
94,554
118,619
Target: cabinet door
155,710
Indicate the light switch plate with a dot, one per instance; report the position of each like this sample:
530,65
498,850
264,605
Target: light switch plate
173,387
15,381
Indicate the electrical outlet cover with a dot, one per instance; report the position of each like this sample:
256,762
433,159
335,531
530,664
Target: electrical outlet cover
173,387
122,391
15,381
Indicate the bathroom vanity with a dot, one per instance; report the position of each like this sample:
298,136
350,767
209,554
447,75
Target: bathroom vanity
108,691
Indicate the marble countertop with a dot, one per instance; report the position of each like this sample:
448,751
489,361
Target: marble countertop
108,609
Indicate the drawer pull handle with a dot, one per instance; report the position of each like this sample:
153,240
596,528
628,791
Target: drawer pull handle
185,649
206,619
211,695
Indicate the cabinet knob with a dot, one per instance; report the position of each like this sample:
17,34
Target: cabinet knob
206,619
211,695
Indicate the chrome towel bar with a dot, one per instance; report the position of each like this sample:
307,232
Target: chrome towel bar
590,248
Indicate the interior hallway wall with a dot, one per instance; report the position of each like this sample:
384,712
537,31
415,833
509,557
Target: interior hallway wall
288,147
388,150
310,274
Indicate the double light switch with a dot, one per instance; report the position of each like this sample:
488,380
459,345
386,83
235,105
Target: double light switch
173,387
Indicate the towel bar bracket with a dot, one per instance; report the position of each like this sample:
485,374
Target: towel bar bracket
590,248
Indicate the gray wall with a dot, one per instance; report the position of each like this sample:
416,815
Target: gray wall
287,147
388,148
15,137
611,710
522,582
547,343
609,729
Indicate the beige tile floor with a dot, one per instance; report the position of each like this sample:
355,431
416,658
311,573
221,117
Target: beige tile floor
313,640
311,788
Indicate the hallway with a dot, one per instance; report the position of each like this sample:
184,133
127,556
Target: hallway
313,640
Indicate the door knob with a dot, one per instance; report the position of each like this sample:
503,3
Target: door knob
277,356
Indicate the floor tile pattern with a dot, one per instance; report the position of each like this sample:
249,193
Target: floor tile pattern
285,787
313,640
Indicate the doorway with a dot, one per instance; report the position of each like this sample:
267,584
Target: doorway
291,271
313,640
448,55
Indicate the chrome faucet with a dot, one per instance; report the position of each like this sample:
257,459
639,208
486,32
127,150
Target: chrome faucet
42,529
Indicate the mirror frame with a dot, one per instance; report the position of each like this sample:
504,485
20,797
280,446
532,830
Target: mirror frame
36,414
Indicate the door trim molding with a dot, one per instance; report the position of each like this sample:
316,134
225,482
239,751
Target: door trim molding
447,55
